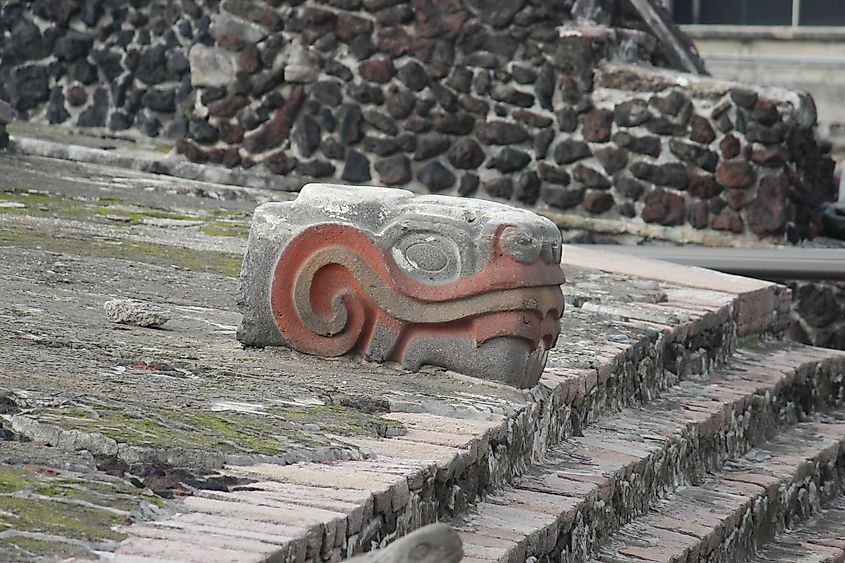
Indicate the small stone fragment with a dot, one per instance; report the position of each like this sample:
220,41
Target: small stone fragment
137,313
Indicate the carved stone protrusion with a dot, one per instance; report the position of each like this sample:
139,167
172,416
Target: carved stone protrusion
468,285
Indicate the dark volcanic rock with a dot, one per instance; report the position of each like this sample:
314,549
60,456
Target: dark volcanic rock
365,93
569,151
727,220
394,171
380,145
673,174
527,187
502,133
349,124
95,114
553,174
736,174
701,131
596,125
327,92
469,184
699,214
567,119
597,203
631,113
306,135
664,208
499,187
73,45
152,65
509,160
744,98
730,146
381,122
768,213
704,186
436,177
466,153
401,104
84,72
278,128
590,177
356,168
817,304
56,112
454,124
413,75
159,99
613,159
28,87
500,13
431,145
629,188
76,95
379,69
512,96
694,154
280,163
542,140
641,145
562,198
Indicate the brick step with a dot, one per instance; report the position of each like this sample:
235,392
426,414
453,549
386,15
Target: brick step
741,507
819,540
593,484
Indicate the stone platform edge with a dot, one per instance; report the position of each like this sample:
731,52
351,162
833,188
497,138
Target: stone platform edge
334,510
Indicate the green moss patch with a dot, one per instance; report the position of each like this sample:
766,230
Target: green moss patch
23,548
164,255
85,508
275,432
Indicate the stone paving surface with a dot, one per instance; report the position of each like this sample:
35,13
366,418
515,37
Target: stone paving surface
213,452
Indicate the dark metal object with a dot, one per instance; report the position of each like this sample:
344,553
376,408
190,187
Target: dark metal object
776,264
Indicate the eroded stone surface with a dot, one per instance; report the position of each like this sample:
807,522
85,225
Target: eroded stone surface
467,285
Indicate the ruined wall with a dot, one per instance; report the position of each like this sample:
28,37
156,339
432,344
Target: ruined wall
818,313
101,63
506,99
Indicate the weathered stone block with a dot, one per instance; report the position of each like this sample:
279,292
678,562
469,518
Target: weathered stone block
463,284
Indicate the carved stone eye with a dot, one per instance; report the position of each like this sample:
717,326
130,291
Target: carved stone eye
428,257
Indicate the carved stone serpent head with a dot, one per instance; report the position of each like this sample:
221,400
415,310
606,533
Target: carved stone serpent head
468,285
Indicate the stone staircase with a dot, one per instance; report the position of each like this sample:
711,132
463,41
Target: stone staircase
675,425
707,471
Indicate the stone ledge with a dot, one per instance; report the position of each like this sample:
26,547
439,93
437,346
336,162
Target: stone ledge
727,516
446,461
762,306
615,469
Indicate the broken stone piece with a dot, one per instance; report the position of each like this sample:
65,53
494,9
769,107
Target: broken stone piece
138,313
464,284
435,543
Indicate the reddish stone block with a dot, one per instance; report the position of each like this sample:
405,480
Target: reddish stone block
379,69
730,146
278,128
736,174
664,207
727,220
597,203
596,125
391,277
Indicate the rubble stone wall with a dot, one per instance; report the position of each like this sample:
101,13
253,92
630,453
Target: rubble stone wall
818,313
505,99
